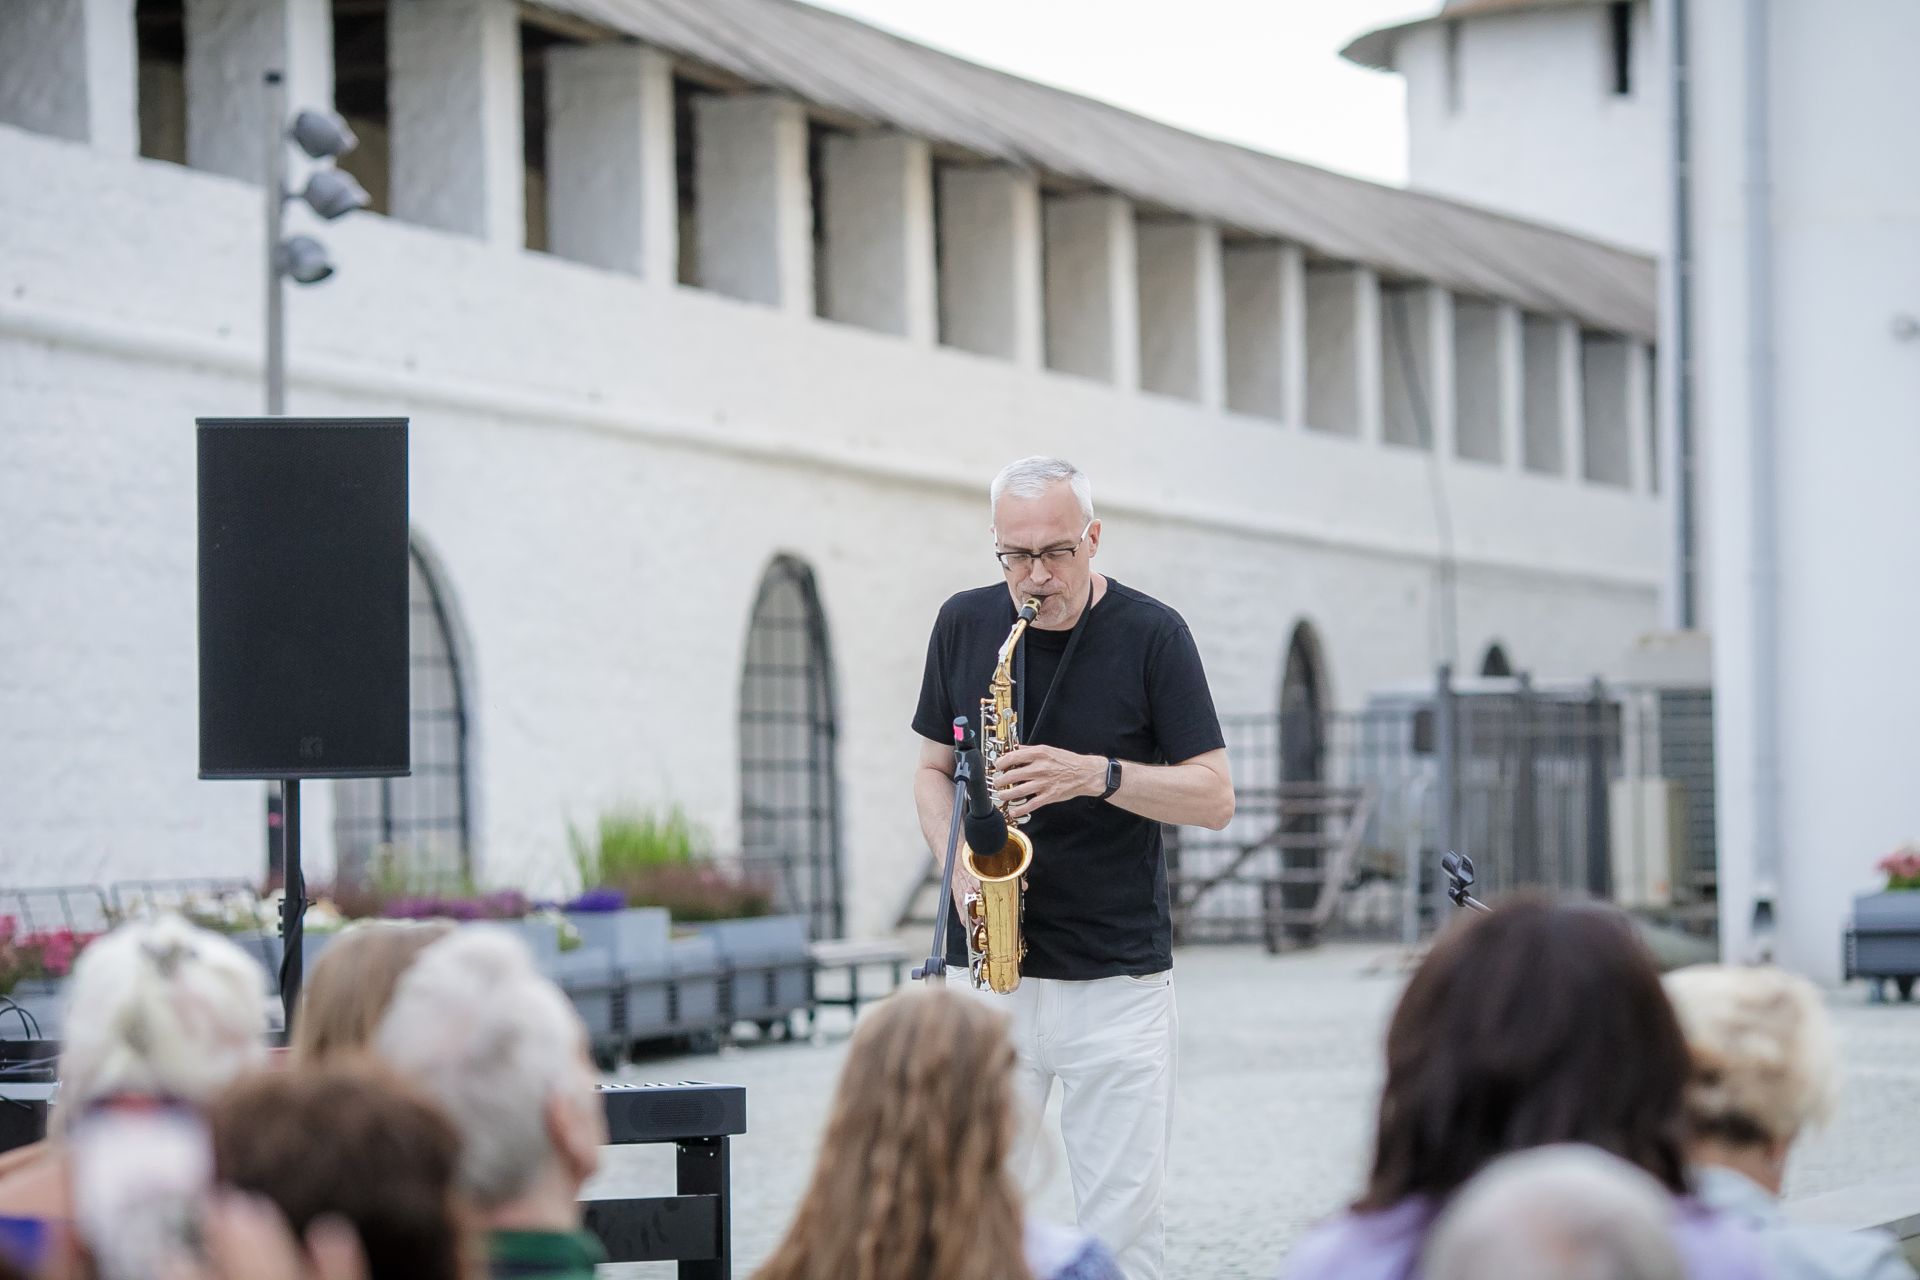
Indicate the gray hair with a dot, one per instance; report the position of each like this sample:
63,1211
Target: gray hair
1557,1213
160,1006
1032,477
491,1039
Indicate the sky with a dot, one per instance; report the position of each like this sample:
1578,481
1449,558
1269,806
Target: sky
1266,73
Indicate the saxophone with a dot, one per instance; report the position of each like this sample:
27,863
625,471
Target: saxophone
995,945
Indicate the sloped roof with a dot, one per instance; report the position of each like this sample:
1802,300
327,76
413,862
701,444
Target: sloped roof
850,68
1376,48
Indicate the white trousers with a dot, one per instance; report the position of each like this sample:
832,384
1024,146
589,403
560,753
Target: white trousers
1113,1044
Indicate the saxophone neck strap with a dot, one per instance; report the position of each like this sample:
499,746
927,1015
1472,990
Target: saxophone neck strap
1030,729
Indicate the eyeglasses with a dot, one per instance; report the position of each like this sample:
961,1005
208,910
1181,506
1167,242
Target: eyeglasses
1054,556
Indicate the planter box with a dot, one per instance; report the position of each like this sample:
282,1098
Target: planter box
268,948
699,974
649,1000
1884,940
769,970
40,998
588,978
633,938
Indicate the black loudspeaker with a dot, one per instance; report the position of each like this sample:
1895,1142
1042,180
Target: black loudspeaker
303,598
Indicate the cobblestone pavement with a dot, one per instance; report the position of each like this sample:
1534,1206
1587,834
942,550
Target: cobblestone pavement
1279,1064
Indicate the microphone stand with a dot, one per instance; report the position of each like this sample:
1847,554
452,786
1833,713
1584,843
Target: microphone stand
936,966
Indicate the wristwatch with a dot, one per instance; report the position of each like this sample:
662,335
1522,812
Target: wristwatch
1113,777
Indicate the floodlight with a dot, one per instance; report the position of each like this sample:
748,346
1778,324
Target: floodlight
305,259
322,134
331,192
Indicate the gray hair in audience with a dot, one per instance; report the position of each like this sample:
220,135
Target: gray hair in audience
1557,1213
490,1038
159,1007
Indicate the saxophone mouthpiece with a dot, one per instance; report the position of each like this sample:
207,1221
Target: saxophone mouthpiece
1030,608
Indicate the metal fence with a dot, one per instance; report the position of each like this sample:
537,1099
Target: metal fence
1579,787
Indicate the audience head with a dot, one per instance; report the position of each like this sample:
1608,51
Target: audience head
348,990
1557,1213
159,1007
912,1173
1541,1022
351,1141
1763,1064
498,1046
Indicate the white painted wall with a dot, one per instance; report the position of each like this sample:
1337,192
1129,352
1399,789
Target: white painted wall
1539,130
1846,258
603,467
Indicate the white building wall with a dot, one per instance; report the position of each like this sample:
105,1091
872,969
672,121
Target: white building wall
603,467
1845,254
1538,128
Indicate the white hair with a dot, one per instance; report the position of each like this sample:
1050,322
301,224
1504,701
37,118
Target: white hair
1762,1052
159,1007
1032,477
1557,1213
491,1039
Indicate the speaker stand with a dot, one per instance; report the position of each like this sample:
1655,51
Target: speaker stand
293,900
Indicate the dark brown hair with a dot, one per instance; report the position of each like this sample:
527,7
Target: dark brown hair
912,1176
352,984
1543,1022
349,1139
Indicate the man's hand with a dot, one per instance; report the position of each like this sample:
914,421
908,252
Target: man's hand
1032,777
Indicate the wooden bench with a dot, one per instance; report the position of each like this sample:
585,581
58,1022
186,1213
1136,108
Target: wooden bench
851,956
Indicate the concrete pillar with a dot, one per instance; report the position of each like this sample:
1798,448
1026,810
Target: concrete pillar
612,190
878,268
990,287
1343,351
230,45
1572,393
1478,380
1092,295
1182,312
1417,409
755,205
1510,354
67,69
453,100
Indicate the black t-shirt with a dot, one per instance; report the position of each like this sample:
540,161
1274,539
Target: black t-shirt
1133,689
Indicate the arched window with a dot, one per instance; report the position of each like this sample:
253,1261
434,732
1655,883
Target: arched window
419,823
1303,709
1495,662
789,789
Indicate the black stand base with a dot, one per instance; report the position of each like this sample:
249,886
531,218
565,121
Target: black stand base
293,901
964,751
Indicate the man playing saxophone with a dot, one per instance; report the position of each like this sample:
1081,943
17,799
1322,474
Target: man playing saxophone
1117,735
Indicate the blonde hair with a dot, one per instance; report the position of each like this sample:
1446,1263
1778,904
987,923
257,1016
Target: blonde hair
160,1007
352,984
1763,1061
912,1175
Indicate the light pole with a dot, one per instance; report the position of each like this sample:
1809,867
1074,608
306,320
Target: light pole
330,192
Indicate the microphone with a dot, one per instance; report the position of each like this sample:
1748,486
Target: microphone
986,827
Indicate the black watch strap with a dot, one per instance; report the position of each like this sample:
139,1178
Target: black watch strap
1113,777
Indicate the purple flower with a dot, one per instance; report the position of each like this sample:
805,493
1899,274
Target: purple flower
598,900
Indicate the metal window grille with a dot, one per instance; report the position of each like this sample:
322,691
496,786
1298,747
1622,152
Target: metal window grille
418,823
789,806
